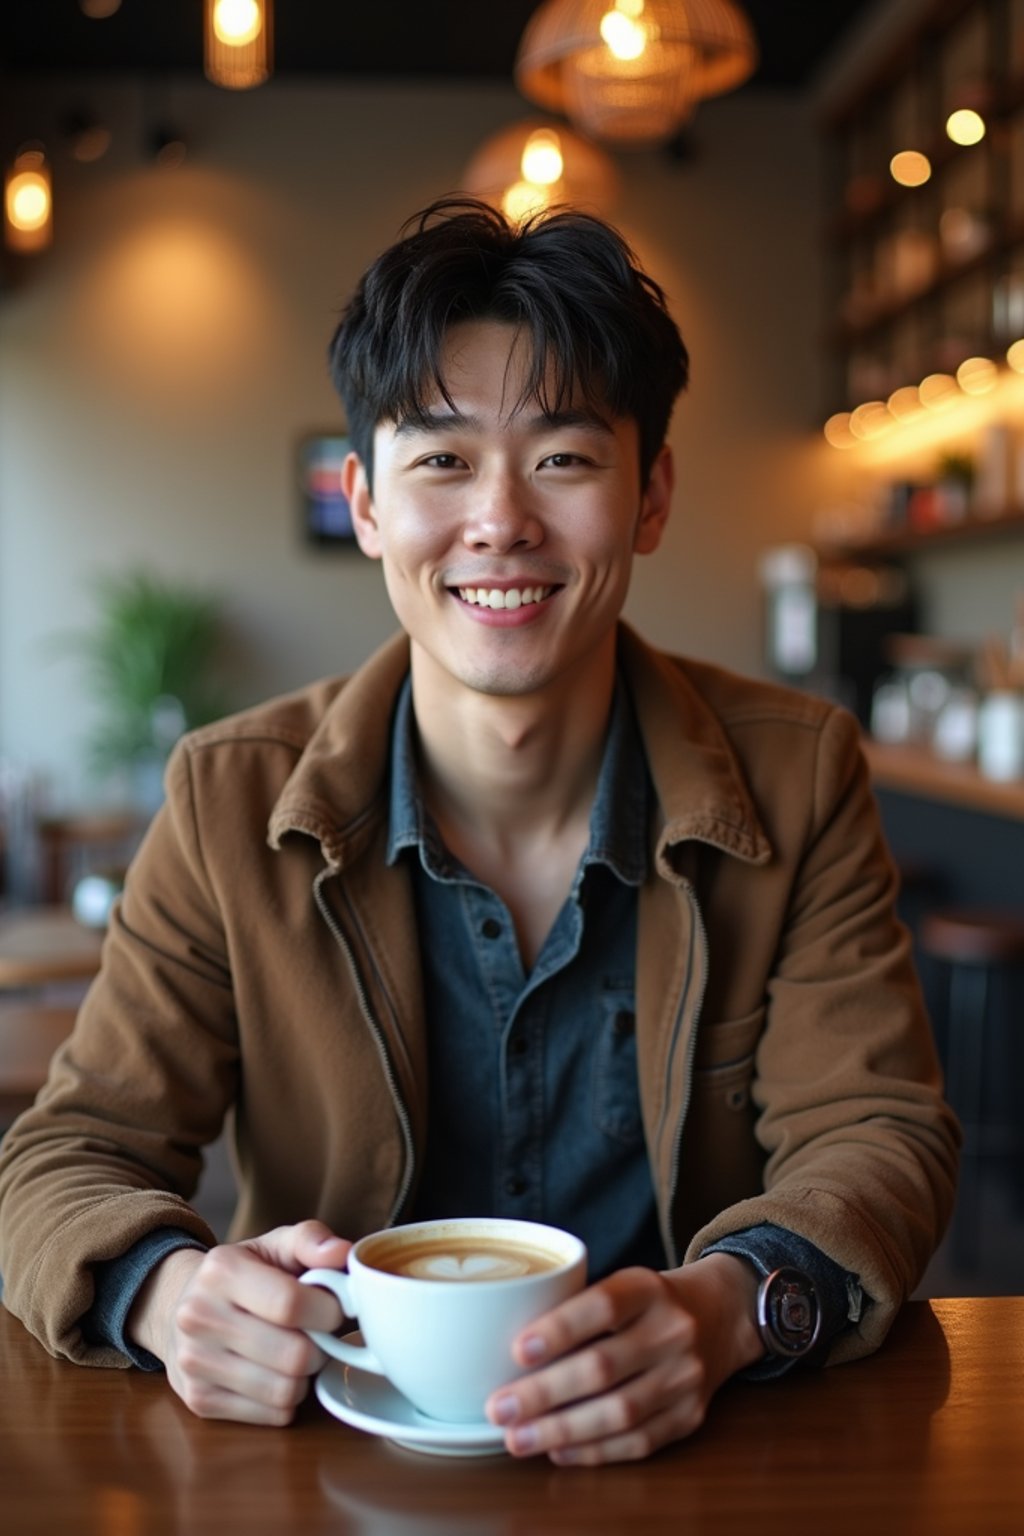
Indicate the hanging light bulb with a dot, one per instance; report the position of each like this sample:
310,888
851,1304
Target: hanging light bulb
533,165
631,71
238,45
28,202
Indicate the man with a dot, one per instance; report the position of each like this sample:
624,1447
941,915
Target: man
523,918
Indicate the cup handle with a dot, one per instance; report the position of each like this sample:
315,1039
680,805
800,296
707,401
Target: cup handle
340,1285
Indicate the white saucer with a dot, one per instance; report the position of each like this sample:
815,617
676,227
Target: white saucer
371,1403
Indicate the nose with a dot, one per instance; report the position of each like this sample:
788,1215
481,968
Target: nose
502,516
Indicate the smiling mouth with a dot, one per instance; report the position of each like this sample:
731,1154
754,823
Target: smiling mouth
496,597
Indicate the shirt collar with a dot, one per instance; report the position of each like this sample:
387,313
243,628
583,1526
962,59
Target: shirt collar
618,820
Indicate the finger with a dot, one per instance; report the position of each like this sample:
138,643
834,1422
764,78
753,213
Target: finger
603,1308
675,1422
208,1326
618,1416
238,1276
597,1369
240,1391
306,1245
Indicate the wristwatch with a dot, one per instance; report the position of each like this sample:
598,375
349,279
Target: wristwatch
788,1314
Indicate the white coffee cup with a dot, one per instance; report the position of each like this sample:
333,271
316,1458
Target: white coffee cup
440,1302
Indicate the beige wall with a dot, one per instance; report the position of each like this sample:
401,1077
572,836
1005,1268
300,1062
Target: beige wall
159,365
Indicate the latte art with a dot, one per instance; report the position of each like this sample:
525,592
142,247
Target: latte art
464,1258
470,1266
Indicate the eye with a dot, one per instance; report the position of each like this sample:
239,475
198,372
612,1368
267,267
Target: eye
564,460
441,461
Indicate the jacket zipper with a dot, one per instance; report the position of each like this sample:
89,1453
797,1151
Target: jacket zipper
378,1040
702,942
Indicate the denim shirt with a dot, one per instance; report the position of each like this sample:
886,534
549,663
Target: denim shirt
534,1106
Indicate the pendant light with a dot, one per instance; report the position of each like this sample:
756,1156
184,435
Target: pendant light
28,202
538,164
631,71
238,42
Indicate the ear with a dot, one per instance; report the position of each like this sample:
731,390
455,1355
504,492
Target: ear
655,504
356,490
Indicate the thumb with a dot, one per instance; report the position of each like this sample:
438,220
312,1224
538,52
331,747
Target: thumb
317,1247
307,1245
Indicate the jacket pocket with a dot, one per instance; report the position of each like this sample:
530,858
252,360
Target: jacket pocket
721,1159
615,1089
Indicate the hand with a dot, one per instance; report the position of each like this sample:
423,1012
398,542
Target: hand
635,1361
228,1323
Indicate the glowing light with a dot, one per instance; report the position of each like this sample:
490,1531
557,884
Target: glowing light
965,126
625,37
910,168
542,160
870,420
237,44
28,200
237,22
28,203
523,199
977,375
837,430
632,71
938,391
1015,356
905,403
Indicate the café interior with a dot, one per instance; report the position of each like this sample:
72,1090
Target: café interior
832,198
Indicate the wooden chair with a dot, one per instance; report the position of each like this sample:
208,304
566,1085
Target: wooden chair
72,846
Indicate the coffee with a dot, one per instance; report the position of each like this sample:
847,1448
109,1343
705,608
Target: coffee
448,1347
461,1256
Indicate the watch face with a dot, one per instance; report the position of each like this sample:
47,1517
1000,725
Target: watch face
788,1315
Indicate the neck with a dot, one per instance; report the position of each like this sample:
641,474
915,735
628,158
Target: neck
508,767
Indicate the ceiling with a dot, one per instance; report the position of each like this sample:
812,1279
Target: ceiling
383,39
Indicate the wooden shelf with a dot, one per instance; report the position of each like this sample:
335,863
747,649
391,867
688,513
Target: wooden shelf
848,333
913,770
905,541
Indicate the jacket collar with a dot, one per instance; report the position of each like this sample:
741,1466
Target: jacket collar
337,792
699,785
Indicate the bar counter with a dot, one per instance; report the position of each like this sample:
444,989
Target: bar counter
926,1438
913,770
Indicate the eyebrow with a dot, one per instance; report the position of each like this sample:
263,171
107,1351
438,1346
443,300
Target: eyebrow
426,422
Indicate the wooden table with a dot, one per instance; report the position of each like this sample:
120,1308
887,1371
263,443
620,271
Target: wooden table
44,945
924,1439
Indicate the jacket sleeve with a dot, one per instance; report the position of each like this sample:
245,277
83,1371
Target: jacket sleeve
112,1148
861,1147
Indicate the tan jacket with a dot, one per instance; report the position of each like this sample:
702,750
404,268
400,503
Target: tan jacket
264,959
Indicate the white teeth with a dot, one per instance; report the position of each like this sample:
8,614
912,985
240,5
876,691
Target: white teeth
494,597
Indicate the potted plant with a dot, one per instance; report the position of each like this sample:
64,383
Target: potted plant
150,665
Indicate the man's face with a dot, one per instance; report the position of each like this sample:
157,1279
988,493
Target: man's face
506,536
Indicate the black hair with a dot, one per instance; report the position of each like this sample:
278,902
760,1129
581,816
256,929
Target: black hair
598,324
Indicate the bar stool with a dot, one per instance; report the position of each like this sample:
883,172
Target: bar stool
977,948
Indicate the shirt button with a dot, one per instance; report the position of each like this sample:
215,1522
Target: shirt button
515,1185
517,1045
490,928
625,1023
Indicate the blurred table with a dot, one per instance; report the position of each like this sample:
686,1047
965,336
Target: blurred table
927,1436
40,946
29,1035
